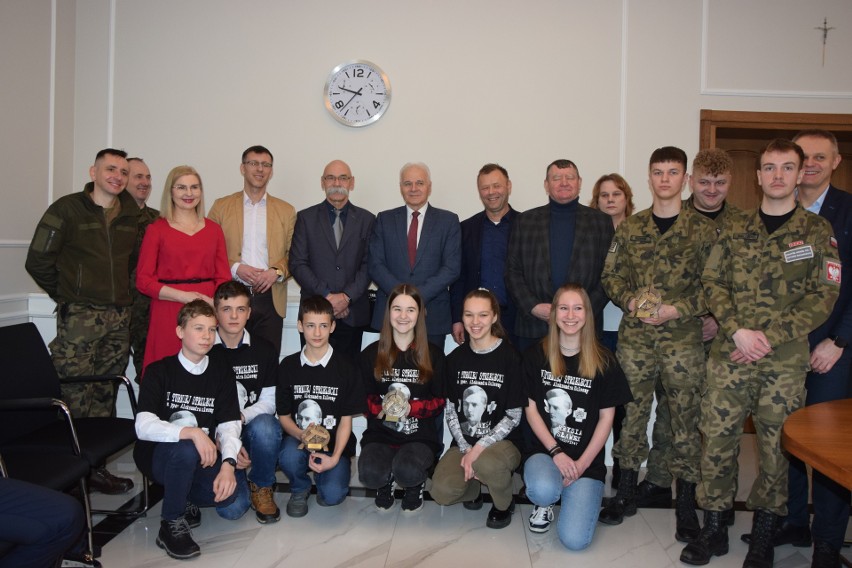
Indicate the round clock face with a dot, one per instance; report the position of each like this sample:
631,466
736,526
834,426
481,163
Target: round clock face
357,93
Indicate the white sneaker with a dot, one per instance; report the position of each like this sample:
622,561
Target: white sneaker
540,519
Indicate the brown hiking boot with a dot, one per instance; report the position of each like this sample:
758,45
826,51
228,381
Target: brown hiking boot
263,504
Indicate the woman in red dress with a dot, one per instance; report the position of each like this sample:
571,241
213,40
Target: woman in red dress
183,258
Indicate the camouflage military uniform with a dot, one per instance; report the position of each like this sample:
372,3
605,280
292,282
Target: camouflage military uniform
785,285
661,438
139,312
672,352
83,263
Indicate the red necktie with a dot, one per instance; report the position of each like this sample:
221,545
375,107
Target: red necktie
412,239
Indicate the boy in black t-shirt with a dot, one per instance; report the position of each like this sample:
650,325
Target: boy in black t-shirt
317,387
255,364
186,402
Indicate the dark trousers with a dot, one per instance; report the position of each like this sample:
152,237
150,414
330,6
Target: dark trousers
264,320
39,524
176,466
831,500
409,464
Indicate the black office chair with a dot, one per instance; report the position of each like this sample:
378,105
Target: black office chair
44,465
26,372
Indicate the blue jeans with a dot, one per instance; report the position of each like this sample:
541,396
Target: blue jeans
177,468
332,485
581,501
262,440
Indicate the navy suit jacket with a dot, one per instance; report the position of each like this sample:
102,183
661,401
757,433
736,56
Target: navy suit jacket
471,266
320,267
837,209
437,264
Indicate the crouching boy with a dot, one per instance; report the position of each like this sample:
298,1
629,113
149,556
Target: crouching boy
186,402
318,391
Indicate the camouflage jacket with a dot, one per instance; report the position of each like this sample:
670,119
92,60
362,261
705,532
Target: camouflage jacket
640,257
728,214
783,284
75,257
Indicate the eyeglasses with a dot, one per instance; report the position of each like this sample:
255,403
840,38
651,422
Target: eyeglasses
331,179
256,164
185,188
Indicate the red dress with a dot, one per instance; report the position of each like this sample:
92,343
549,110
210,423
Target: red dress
172,255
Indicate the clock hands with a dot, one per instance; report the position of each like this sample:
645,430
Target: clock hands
357,94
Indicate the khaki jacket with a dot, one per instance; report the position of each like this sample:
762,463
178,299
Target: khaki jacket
280,222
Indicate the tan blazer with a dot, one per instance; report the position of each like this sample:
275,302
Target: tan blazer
280,222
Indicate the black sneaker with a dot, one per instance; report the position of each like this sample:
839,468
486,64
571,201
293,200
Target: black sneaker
384,496
412,499
192,514
498,519
474,505
176,539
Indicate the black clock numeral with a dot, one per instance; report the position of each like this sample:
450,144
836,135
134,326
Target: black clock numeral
357,72
339,105
376,104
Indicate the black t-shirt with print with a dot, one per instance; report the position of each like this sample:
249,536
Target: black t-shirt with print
426,400
320,394
255,367
483,386
570,405
175,395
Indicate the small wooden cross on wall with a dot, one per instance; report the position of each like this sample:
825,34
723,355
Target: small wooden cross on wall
824,29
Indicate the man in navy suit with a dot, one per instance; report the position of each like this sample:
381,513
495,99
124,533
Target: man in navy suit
328,256
485,243
831,358
417,244
556,243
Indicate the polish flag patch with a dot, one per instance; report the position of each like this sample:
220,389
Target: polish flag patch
832,271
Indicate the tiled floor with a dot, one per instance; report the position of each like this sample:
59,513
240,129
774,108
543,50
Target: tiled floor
355,534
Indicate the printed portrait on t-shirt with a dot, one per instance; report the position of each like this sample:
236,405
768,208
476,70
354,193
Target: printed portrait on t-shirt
474,403
183,418
242,395
308,412
558,405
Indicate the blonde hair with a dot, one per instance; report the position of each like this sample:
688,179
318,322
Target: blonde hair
167,204
592,354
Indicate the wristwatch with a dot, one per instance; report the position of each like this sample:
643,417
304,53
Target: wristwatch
231,461
841,342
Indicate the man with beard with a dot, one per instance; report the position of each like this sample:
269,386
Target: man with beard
258,229
328,256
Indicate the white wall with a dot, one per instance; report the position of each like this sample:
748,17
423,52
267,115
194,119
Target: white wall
197,81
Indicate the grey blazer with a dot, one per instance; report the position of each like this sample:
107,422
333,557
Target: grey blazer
320,267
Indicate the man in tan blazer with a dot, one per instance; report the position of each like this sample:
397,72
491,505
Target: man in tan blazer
258,229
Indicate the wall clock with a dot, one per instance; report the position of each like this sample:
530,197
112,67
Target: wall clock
357,93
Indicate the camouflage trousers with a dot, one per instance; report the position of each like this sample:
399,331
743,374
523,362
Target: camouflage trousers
678,367
139,318
770,391
90,340
660,454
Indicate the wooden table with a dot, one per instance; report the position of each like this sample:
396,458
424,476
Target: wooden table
821,436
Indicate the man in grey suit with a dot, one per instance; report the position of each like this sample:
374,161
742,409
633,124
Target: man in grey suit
417,244
550,245
328,256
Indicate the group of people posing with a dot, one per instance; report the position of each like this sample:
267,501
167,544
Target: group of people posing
570,321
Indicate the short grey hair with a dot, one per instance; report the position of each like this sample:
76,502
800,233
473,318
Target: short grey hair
420,165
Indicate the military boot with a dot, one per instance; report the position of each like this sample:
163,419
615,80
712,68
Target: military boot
649,495
624,502
761,552
712,540
685,515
